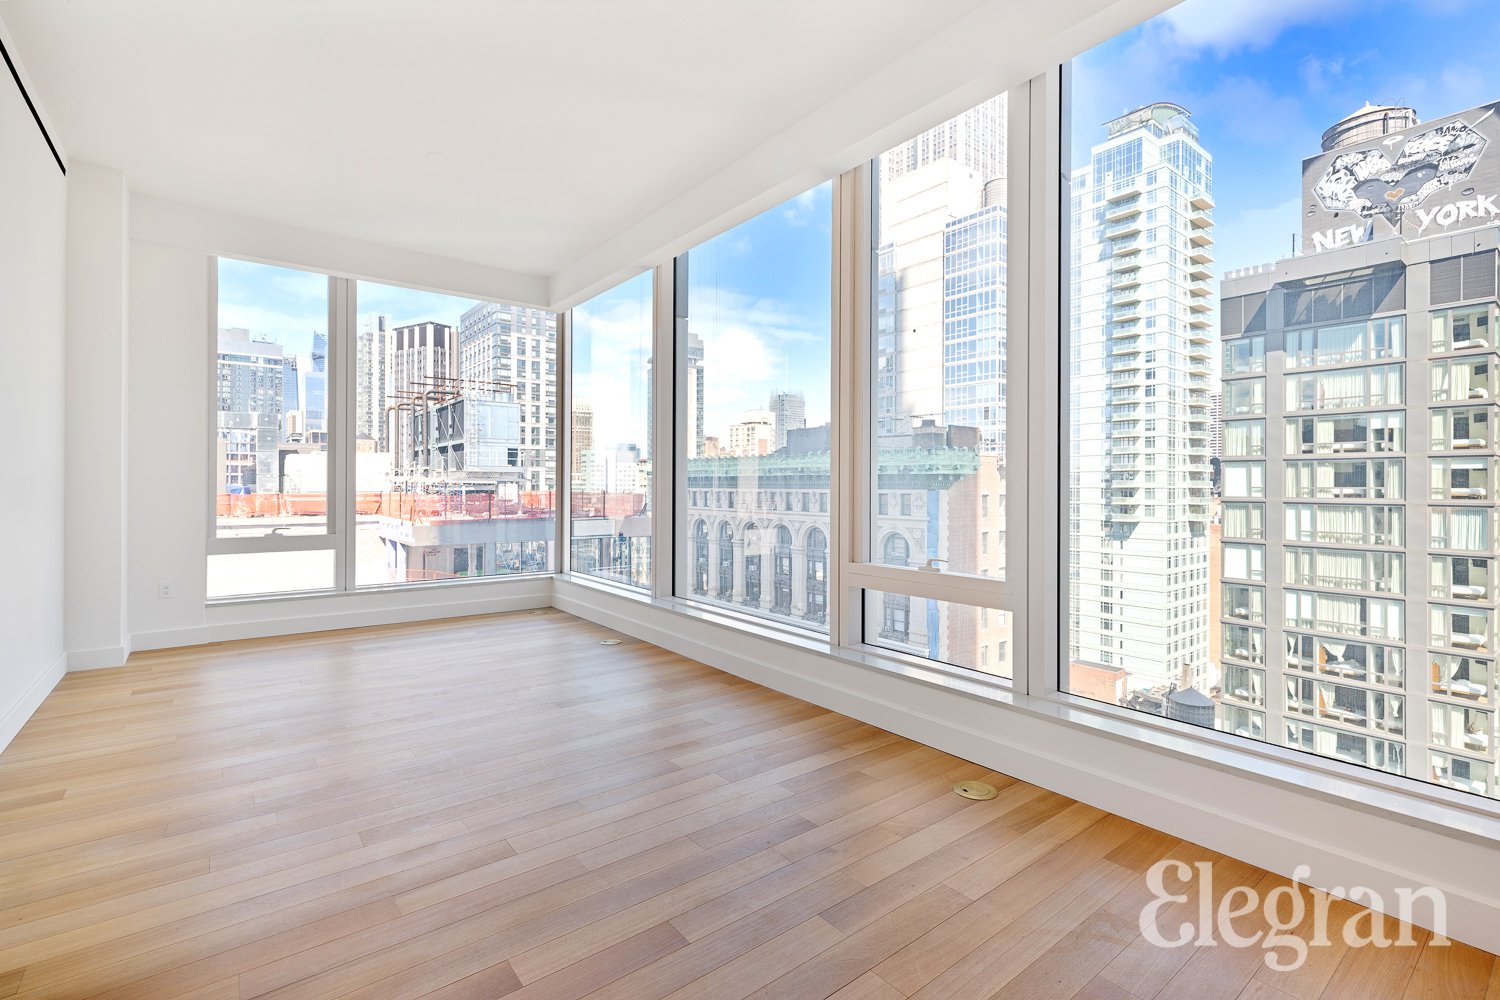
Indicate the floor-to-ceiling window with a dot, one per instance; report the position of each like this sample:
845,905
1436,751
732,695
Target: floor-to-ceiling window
754,423
1277,328
454,436
273,529
938,445
610,449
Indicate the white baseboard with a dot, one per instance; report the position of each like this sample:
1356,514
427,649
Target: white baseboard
1269,825
31,699
257,620
98,659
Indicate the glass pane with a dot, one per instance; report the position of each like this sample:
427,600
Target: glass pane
939,347
253,574
753,332
455,437
271,395
1324,278
611,444
959,634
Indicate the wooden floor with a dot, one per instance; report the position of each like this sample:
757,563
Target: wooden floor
502,807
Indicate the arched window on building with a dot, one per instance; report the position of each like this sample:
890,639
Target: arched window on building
726,562
700,558
896,623
781,572
752,565
817,576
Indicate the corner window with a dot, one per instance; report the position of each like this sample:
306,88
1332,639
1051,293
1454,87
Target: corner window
610,450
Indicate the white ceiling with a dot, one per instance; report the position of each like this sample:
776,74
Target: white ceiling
519,134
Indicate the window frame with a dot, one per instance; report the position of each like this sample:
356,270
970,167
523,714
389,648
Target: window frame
341,536
562,496
860,567
339,499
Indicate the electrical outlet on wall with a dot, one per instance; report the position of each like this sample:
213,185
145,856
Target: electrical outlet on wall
164,590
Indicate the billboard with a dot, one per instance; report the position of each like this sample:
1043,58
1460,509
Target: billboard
1432,179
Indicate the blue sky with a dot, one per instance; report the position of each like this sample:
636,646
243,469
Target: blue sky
1264,78
611,347
287,306
276,304
759,297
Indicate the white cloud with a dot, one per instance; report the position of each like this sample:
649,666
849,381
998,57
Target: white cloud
1457,87
799,210
611,346
1319,74
1229,25
753,347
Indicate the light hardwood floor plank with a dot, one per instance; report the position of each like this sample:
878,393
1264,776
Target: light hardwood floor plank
498,806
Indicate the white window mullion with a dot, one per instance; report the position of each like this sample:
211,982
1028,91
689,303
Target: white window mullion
340,423
211,466
1043,154
668,485
672,291
850,485
562,488
1024,310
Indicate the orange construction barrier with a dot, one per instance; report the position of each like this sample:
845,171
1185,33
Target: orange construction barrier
419,508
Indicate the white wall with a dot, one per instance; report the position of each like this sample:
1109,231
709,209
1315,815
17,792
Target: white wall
97,338
33,222
167,421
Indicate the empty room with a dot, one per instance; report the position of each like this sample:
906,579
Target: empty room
778,499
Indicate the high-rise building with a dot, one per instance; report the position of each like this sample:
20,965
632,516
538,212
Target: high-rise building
974,139
754,434
315,387
517,346
974,322
248,398
291,384
1359,549
788,412
372,356
419,356
1140,382
940,276
694,399
628,473
695,380
916,209
939,372
581,441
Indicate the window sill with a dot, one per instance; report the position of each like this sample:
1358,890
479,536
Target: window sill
1446,811
384,588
